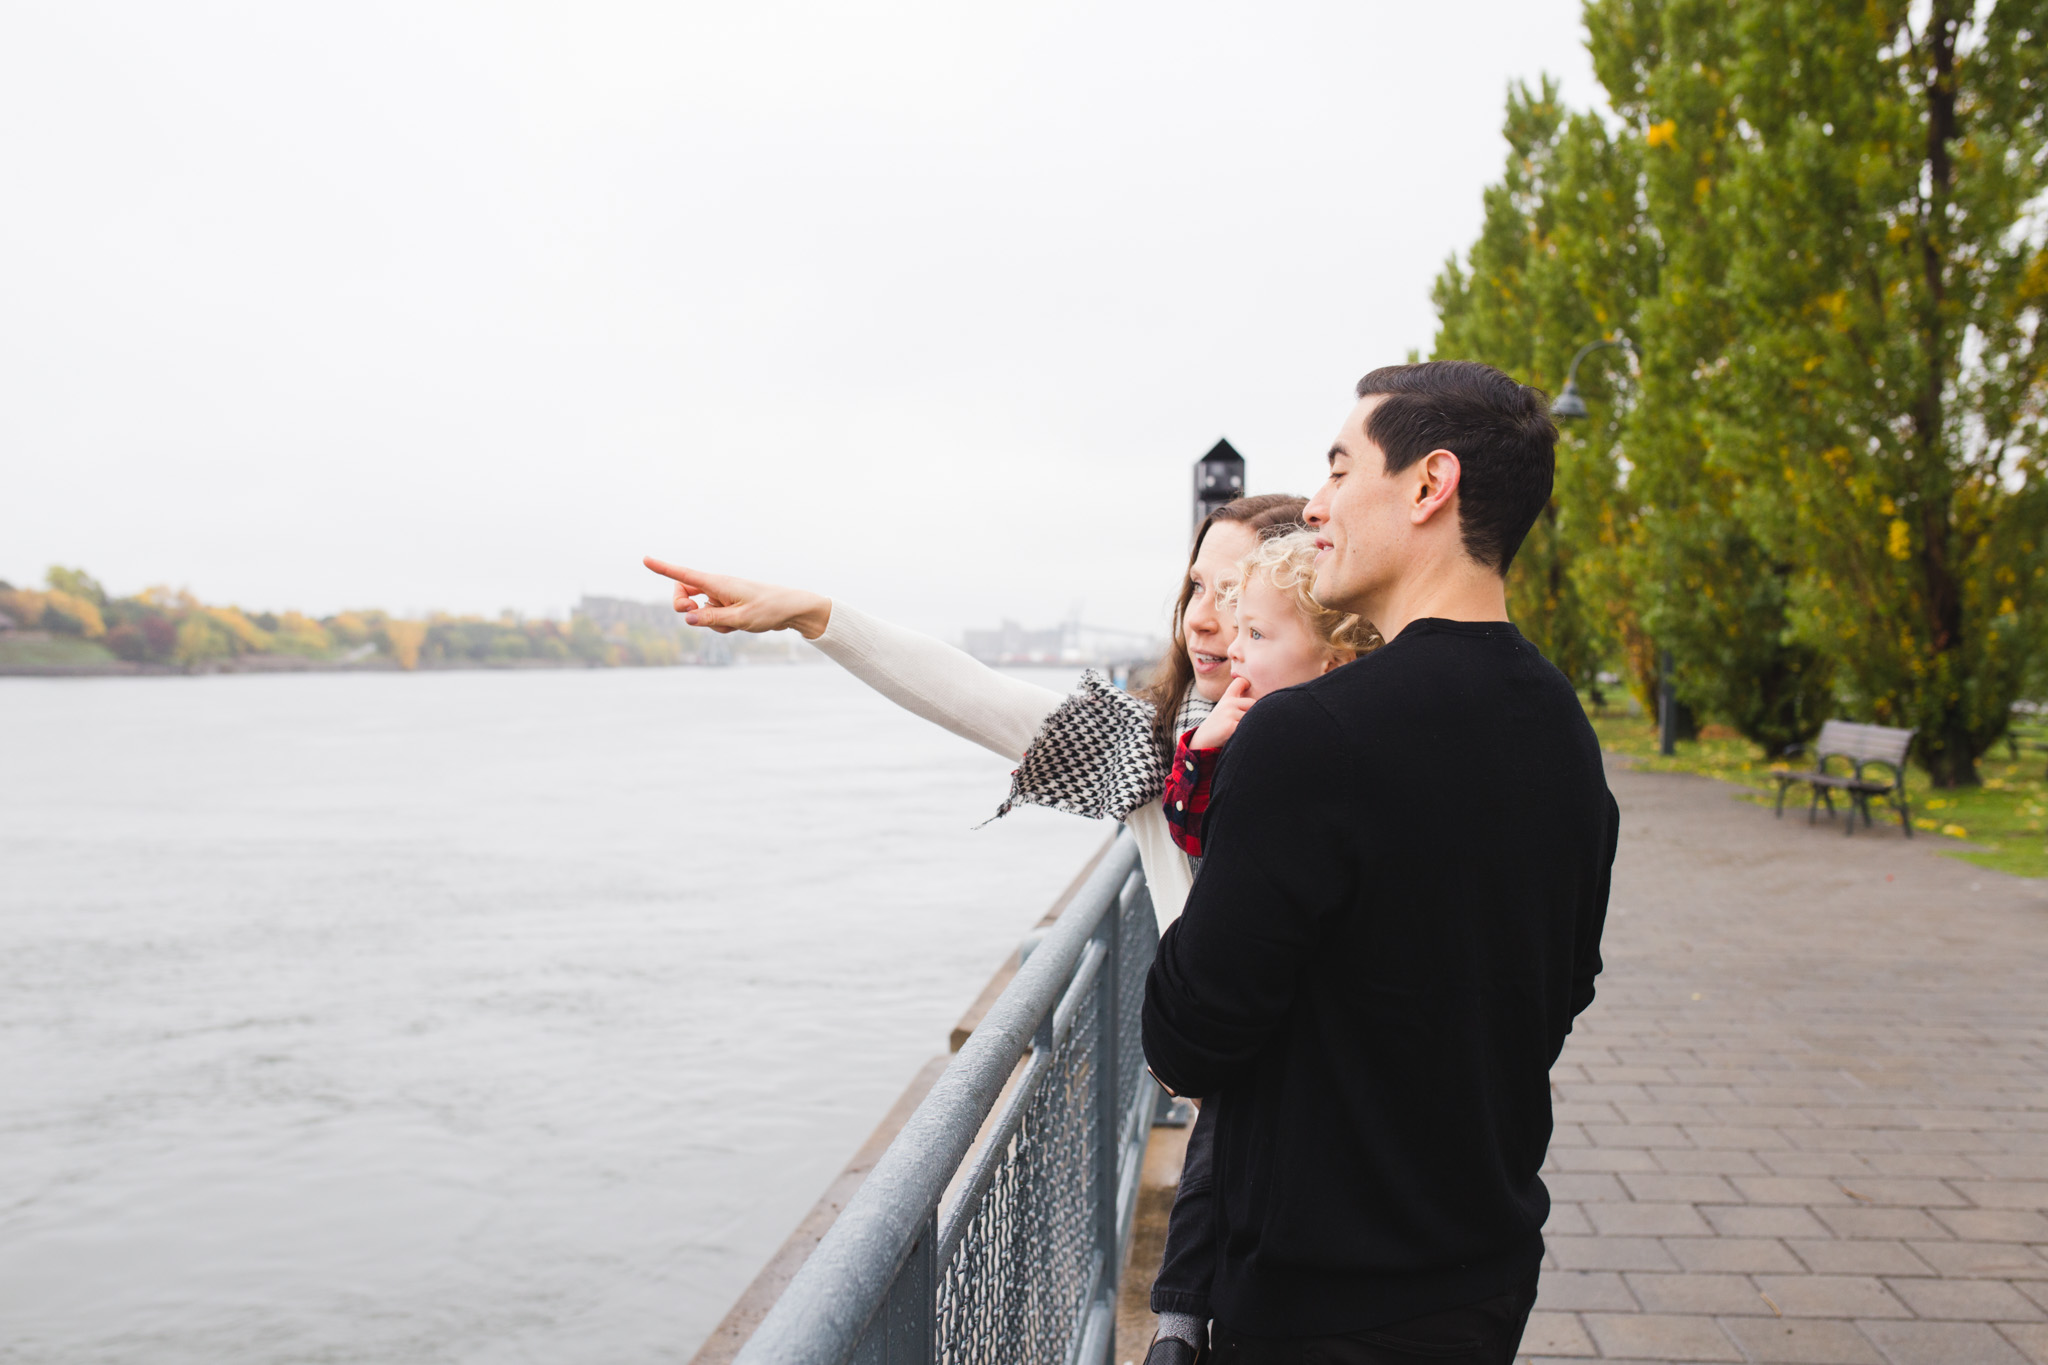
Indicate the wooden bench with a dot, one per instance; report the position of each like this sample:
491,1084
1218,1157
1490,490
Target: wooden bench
1859,747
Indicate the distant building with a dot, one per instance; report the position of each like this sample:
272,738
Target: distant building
1070,644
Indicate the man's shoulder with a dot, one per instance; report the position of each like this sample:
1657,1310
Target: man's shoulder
1435,667
1292,713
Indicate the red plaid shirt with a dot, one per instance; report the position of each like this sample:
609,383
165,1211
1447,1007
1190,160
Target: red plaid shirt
1187,794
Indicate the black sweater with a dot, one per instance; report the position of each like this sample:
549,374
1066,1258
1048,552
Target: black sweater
1397,918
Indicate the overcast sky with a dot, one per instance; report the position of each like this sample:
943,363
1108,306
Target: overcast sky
930,306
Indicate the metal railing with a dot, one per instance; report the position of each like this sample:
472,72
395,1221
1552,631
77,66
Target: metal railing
994,1227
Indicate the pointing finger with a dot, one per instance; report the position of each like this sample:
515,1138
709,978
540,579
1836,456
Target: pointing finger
667,570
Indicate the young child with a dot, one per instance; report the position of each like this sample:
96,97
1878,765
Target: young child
1284,637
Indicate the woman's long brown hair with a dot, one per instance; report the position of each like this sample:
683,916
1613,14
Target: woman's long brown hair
1269,514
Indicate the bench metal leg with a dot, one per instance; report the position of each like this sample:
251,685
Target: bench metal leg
1782,784
1905,817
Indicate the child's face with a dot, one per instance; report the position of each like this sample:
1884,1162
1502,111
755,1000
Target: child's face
1274,647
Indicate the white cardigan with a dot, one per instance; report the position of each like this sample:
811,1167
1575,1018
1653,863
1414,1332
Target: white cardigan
930,678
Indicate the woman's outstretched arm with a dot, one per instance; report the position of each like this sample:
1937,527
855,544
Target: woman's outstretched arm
924,676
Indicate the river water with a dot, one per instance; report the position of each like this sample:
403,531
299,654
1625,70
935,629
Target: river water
464,1016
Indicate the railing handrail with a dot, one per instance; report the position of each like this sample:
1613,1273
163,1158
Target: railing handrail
820,1317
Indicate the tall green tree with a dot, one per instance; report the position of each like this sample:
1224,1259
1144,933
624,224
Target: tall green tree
1704,585
1559,260
1638,550
1851,200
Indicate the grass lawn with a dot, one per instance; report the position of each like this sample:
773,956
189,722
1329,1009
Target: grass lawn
58,649
2007,817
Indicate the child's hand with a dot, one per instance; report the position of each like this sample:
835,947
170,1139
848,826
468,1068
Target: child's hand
1215,732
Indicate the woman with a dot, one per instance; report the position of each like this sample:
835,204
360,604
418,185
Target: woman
1096,751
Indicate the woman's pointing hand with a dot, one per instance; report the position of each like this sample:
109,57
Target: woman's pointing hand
732,604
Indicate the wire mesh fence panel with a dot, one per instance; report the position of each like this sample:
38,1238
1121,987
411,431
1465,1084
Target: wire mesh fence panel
1018,1284
1139,933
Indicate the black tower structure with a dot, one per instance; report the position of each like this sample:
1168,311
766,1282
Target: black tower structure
1219,478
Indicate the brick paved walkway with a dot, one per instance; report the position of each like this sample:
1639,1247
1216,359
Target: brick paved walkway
1807,1118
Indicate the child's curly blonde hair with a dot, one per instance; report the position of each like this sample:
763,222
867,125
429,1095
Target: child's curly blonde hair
1289,563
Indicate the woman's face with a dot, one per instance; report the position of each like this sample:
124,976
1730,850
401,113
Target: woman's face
1275,647
1208,624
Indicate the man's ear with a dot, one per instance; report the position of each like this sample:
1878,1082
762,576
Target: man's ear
1436,483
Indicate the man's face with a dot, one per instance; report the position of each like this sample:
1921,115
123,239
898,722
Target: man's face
1360,519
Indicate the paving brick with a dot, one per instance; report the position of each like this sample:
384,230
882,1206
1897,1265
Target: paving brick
1624,1074
1647,1220
1744,1139
1922,1163
1705,1096
1859,1258
1609,1253
1569,1135
1801,1341
1604,1159
1831,1296
1690,1189
1836,1166
1839,1139
1941,1343
1591,1092
1636,1135
1673,1114
1862,1220
2013,1166
2004,1194
1786,1189
1740,1255
1572,1291
1660,1336
1567,1220
1995,1225
1584,1187
1893,1190
2031,1338
1556,1334
1982,1260
1737,1220
1770,1116
1967,1300
1943,1140
1570,1111
1709,1161
1720,1294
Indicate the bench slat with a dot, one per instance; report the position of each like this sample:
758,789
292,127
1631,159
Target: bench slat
1863,743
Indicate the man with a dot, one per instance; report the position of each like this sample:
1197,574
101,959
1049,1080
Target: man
1398,914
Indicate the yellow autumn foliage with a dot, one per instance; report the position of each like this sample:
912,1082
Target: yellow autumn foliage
405,639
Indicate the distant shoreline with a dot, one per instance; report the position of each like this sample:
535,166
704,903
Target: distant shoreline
270,663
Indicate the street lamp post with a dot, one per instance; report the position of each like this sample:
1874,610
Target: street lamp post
1219,479
1571,404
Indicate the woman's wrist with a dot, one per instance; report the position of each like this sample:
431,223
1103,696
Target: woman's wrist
816,614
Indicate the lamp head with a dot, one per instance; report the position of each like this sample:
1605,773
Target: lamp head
1569,404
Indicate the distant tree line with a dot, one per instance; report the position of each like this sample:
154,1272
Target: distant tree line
172,627
1818,484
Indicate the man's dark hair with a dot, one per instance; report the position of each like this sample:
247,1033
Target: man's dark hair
1500,431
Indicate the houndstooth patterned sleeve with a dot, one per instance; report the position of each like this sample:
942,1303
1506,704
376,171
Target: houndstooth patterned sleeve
1092,757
